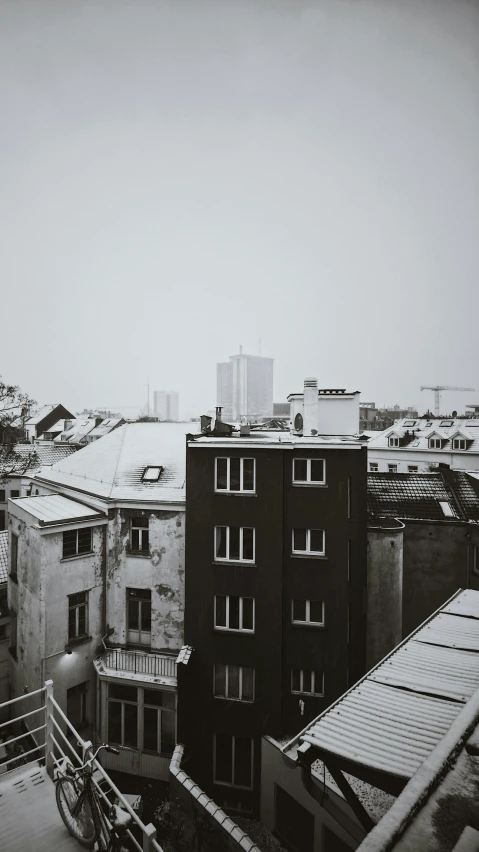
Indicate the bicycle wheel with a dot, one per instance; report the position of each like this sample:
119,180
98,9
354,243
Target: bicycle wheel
79,822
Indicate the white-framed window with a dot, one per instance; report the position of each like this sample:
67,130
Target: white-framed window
234,613
77,615
138,616
306,682
394,441
233,682
235,474
412,468
307,612
309,471
392,468
309,541
435,443
139,535
459,444
233,761
373,467
234,544
141,718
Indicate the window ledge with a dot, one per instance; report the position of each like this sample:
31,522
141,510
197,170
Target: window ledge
235,493
235,562
77,556
298,555
234,631
79,640
308,694
138,554
237,700
310,625
310,484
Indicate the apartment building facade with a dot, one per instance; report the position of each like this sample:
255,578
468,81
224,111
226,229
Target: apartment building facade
417,445
245,387
96,590
275,596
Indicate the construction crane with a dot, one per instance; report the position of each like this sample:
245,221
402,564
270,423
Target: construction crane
437,394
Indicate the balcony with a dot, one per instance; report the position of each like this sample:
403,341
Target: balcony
138,665
28,812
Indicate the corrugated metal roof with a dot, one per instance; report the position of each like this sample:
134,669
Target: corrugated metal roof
3,556
392,719
54,508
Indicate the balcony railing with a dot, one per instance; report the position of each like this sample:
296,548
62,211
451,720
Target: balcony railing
157,665
56,747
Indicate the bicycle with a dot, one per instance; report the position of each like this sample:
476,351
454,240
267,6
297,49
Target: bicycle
82,812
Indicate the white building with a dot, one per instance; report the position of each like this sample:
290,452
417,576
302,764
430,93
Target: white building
96,590
324,411
166,405
417,445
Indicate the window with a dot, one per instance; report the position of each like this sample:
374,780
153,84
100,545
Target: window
13,633
373,467
307,682
14,558
307,612
143,719
309,471
409,423
3,604
152,473
76,542
333,843
123,715
394,441
77,615
446,509
234,613
14,494
308,541
139,535
392,468
235,474
159,721
234,682
77,705
459,444
234,544
446,423
138,614
233,761
293,823
412,468
435,443
2,496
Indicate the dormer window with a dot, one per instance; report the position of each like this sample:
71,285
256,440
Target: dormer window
152,473
435,442
459,444
393,441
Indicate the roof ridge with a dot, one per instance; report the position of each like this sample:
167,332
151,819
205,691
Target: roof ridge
118,460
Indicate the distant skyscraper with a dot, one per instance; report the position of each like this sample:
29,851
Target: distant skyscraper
245,386
166,405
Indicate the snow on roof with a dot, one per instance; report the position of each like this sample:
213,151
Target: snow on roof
55,508
113,467
423,429
3,556
258,438
42,412
26,458
419,496
391,720
104,427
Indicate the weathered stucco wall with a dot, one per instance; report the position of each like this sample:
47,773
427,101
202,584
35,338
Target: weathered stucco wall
162,572
385,582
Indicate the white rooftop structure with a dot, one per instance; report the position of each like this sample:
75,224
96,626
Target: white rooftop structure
55,508
385,726
114,467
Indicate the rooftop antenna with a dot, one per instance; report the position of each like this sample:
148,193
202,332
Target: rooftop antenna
148,397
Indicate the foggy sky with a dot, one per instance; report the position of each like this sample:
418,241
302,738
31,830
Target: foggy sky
179,178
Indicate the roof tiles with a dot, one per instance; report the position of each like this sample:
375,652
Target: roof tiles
419,496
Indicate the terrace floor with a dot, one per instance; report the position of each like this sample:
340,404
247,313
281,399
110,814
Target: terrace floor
29,817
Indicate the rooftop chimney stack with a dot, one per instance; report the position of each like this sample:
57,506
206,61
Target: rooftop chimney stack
218,413
310,414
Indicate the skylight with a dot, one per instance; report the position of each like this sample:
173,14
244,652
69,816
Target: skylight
152,473
409,423
446,423
446,508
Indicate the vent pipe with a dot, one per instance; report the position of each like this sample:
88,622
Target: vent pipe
310,412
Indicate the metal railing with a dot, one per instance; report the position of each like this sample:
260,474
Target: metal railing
57,746
19,752
135,661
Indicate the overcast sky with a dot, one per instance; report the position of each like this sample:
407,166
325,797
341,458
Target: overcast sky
178,178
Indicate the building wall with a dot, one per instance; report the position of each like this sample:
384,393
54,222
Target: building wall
4,655
162,572
404,456
435,566
385,589
335,816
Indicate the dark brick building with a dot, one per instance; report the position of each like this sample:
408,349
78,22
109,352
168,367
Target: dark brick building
275,596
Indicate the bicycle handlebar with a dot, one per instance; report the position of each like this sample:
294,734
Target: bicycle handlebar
94,754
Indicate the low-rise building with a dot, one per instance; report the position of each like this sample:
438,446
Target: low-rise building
41,420
417,445
97,589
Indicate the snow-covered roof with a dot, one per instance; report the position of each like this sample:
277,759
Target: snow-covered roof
80,427
258,438
55,509
3,556
390,721
113,468
104,427
27,458
419,496
445,428
42,412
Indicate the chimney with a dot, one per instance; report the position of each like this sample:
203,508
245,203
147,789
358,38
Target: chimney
218,413
310,411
